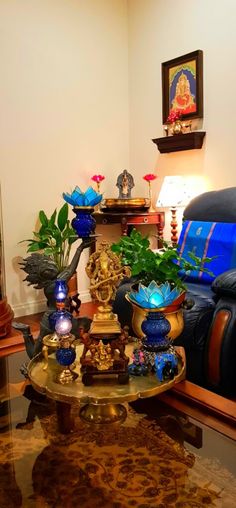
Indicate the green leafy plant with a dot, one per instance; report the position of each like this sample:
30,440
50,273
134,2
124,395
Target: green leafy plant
161,266
54,237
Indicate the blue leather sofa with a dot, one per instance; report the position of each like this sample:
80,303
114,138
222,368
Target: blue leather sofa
209,335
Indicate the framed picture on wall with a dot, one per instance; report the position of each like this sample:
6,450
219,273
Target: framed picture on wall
182,86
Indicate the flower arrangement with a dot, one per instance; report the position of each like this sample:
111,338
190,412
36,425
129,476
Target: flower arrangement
174,116
78,198
149,177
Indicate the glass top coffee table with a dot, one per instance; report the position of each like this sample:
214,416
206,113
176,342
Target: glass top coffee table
159,456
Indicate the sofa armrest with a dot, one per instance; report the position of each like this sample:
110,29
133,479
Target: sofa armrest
225,284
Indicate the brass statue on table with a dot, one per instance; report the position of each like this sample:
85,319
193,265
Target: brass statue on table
104,345
105,272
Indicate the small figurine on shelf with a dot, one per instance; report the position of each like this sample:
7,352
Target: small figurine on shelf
174,120
125,183
175,125
138,367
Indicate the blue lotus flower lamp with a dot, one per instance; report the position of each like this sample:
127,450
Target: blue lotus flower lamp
83,206
154,299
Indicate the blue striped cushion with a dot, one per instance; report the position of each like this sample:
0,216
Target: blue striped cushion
207,239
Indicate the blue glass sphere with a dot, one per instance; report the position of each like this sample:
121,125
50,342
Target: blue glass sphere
65,356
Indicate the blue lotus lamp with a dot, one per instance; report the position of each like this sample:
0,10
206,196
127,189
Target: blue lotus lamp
154,296
83,206
155,299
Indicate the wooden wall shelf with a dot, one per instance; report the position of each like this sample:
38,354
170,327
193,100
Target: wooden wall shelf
179,142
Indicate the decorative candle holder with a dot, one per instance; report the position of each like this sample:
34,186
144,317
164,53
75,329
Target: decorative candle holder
65,353
60,290
155,300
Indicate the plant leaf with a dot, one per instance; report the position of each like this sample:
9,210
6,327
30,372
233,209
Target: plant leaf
63,216
52,218
43,218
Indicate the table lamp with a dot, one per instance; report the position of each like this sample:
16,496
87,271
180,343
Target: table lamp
177,191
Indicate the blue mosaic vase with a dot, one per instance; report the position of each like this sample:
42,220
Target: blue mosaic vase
156,328
84,223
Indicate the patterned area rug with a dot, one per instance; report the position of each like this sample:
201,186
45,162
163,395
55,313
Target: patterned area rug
134,465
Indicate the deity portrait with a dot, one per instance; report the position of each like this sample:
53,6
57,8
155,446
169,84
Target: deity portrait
183,88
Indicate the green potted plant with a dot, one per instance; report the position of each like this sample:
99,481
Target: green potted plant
49,261
165,265
54,237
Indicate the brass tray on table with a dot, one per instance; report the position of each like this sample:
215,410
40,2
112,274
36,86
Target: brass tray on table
102,402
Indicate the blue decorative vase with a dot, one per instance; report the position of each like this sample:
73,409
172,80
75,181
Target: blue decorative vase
84,223
156,328
65,355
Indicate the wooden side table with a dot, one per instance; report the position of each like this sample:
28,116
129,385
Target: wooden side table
128,220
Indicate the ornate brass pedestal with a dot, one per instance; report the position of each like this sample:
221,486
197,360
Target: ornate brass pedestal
103,413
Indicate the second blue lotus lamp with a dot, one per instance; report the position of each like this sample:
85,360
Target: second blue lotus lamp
83,206
154,299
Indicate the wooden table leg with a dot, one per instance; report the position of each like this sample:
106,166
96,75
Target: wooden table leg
64,419
160,228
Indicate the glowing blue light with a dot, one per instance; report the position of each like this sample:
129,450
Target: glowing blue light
154,296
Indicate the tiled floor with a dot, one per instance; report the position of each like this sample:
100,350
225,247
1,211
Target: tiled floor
157,458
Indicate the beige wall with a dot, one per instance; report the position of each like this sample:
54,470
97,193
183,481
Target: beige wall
64,114
160,30
81,93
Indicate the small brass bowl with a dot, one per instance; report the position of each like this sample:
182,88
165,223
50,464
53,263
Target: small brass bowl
125,204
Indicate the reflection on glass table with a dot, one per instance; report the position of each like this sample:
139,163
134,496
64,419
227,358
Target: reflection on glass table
158,457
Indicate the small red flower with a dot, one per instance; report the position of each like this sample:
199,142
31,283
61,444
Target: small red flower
149,177
173,116
97,178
